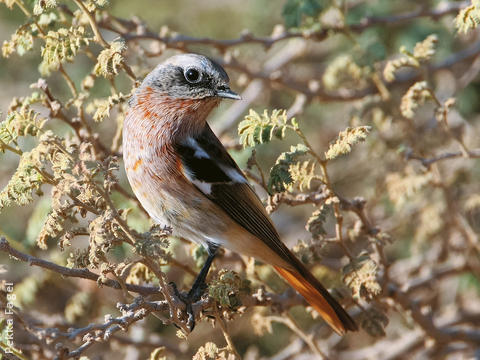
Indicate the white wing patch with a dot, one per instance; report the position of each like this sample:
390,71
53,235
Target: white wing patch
199,152
204,170
233,174
204,187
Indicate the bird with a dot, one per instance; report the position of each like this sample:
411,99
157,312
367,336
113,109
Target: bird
185,178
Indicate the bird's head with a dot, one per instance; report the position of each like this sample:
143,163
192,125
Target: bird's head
181,91
190,77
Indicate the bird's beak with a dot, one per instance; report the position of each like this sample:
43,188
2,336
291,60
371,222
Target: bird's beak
227,93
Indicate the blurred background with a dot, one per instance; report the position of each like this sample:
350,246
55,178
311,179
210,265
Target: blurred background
418,175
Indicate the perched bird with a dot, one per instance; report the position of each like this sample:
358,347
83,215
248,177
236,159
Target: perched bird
184,177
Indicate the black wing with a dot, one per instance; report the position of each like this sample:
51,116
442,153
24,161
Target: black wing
207,164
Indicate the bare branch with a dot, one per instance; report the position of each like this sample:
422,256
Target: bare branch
182,41
76,273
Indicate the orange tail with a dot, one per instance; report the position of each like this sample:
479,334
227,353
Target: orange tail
319,297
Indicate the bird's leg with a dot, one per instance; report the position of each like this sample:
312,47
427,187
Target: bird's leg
198,288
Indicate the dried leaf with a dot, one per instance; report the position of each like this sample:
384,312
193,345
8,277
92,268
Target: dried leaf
226,288
42,5
62,46
346,139
373,321
280,177
360,276
422,52
468,18
416,95
316,222
343,72
401,187
26,180
157,354
261,324
109,60
20,42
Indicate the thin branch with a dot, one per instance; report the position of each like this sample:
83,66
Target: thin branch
99,38
94,333
76,273
427,162
441,335
316,198
290,323
181,41
226,335
93,24
285,300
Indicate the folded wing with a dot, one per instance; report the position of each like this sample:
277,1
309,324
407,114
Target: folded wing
207,164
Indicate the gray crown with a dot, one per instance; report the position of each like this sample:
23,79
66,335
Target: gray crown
170,77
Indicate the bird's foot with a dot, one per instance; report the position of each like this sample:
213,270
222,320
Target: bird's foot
190,298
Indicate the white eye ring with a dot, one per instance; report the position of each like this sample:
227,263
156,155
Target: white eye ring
192,75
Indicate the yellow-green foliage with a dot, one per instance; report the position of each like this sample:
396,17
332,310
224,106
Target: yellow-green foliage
258,129
43,5
316,222
401,187
344,72
210,351
158,354
61,46
416,95
139,274
20,42
78,307
109,60
26,180
422,52
391,229
227,287
345,140
468,18
302,174
27,290
21,122
281,177
100,108
360,276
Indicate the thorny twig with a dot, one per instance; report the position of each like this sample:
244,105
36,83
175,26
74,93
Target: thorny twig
70,272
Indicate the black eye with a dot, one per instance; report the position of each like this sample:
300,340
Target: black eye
192,75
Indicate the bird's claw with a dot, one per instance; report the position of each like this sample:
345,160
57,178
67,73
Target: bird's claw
194,295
